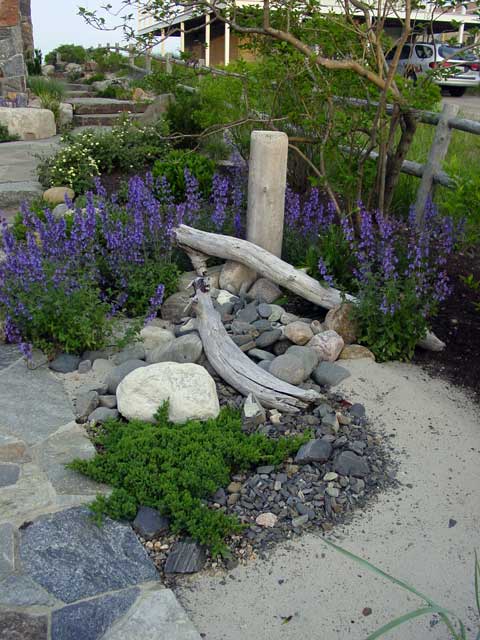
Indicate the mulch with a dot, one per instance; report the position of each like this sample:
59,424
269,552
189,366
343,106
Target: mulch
458,325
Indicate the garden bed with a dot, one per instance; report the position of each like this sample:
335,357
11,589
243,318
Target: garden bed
458,325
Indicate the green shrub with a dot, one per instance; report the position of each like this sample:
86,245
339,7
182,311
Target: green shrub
181,117
143,282
116,92
97,77
174,468
5,136
173,166
108,60
69,53
34,63
47,87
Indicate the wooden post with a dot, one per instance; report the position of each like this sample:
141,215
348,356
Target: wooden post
267,181
117,48
227,44
182,37
131,54
207,40
168,64
148,60
162,44
436,156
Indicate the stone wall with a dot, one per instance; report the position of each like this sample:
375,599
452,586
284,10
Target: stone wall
12,62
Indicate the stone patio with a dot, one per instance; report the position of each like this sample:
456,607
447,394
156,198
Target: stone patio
62,577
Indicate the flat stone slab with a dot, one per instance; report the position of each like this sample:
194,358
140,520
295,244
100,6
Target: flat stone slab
42,399
89,620
9,474
73,558
22,626
22,591
9,354
29,497
12,449
157,615
55,452
7,549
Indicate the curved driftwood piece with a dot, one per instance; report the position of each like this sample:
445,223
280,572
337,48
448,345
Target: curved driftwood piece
236,368
195,243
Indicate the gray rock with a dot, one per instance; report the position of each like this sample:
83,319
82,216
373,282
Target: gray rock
186,557
358,447
300,521
260,354
149,523
276,314
132,352
60,210
288,368
264,310
287,318
350,464
65,363
248,314
314,451
7,549
253,410
84,366
9,474
91,619
173,308
187,348
85,403
22,591
117,374
73,558
357,410
103,414
240,328
308,357
266,469
98,354
330,374
268,338
240,340
264,290
262,325
109,402
264,364
23,626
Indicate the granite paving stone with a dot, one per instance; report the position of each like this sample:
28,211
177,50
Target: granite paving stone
19,590
31,495
9,474
90,619
73,558
22,626
43,402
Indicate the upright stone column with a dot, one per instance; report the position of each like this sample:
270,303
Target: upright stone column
12,62
267,181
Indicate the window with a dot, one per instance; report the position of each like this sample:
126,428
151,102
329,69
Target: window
423,51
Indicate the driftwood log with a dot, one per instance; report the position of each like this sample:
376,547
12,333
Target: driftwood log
235,367
200,244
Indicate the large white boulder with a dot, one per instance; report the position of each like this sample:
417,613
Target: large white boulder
28,124
189,388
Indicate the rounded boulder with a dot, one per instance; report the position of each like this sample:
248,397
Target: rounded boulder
189,389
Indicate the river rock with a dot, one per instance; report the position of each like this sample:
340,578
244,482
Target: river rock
236,278
298,332
65,363
117,374
173,308
355,352
330,374
154,337
288,368
328,345
56,195
149,523
340,319
268,338
187,348
308,357
189,388
132,352
264,290
102,415
318,450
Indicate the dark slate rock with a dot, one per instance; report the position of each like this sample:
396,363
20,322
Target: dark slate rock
314,451
22,626
248,314
240,340
260,354
102,414
330,374
85,403
268,338
91,619
357,410
281,347
73,558
132,352
350,464
149,523
9,474
266,469
117,374
220,497
65,363
357,446
186,557
240,327
262,325
22,591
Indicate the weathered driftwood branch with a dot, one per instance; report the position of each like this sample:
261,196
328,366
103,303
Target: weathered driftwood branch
236,368
271,267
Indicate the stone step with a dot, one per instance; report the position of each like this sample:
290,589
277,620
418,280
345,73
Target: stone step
73,95
100,119
98,106
75,86
12,194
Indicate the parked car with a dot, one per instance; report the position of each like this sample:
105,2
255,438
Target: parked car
460,70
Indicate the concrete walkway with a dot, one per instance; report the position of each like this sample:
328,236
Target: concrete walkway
18,170
425,532
61,576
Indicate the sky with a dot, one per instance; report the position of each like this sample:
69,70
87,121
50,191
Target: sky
56,22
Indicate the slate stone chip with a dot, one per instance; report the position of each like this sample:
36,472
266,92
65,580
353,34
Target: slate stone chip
149,523
65,363
314,451
69,555
186,557
351,464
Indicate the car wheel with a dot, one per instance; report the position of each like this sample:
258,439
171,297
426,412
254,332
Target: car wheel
457,91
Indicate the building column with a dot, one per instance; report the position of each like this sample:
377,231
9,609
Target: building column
162,44
227,44
207,40
182,37
461,29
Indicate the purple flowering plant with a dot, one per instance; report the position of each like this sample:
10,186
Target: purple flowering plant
397,271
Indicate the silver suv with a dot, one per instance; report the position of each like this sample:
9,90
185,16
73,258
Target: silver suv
455,71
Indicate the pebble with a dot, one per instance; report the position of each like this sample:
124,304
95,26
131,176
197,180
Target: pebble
266,520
